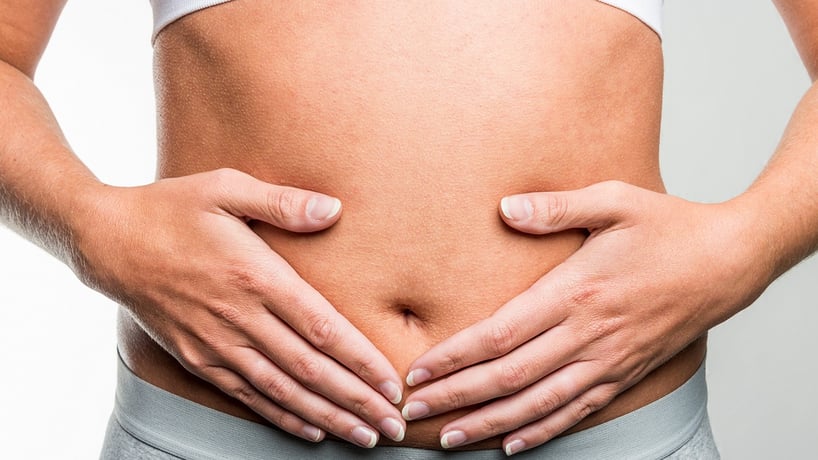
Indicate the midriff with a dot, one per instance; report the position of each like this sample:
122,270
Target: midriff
419,116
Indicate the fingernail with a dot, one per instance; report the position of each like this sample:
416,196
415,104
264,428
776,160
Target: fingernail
393,428
322,207
391,391
517,207
415,410
417,376
452,439
364,437
312,433
514,446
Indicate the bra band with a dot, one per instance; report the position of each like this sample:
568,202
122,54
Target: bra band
167,11
647,11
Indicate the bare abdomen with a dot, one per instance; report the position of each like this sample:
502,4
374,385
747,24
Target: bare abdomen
419,117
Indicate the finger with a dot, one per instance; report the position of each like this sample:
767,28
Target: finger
529,314
313,318
536,402
288,208
544,430
510,374
323,375
237,387
595,206
270,381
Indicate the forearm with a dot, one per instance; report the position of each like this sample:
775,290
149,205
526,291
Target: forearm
45,190
783,201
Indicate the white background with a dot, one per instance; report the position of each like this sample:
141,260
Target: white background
732,79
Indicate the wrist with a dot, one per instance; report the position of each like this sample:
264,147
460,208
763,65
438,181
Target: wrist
757,240
785,222
90,211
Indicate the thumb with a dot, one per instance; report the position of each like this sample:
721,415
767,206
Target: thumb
289,208
592,207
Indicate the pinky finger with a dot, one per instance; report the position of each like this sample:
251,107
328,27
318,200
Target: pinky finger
236,386
546,429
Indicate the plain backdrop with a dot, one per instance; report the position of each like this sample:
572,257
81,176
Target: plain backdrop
732,79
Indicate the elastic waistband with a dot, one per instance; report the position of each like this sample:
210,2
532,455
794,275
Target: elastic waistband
192,431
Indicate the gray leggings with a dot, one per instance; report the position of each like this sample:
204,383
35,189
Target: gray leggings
150,423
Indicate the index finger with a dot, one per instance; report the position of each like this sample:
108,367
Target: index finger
315,319
515,323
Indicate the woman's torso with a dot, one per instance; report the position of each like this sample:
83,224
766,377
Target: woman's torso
419,116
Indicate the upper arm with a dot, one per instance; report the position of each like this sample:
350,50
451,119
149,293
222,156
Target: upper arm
25,27
801,17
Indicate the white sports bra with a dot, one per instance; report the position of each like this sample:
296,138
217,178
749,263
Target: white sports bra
167,11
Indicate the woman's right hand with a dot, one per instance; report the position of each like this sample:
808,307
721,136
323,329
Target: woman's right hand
180,256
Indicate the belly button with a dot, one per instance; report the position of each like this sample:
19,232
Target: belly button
409,316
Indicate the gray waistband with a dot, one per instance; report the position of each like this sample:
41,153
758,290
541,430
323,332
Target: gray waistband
192,431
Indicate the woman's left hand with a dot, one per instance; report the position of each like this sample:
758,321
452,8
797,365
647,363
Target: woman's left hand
655,273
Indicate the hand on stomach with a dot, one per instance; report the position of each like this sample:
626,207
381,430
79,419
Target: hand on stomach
419,126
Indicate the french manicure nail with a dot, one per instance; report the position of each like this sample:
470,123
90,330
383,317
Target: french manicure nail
417,376
391,391
364,437
415,410
517,207
452,439
321,207
514,446
393,428
312,433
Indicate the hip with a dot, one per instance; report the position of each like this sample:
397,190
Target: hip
149,422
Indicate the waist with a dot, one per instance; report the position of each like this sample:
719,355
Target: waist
410,271
419,126
192,431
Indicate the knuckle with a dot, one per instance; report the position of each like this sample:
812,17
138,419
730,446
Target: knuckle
549,431
615,190
192,361
332,421
591,403
586,293
222,180
492,425
308,370
555,209
500,339
279,388
284,420
450,362
242,392
229,313
279,281
321,331
189,354
607,393
583,410
224,175
362,407
365,367
455,398
546,402
612,362
602,328
284,203
244,278
514,376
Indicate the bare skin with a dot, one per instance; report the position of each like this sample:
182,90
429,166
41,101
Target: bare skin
345,100
420,123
